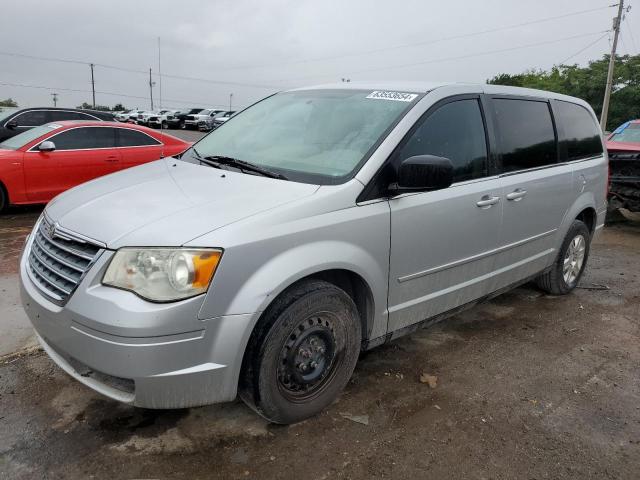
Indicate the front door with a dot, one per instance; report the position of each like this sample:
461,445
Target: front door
81,154
443,242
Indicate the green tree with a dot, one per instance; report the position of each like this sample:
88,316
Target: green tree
118,107
588,83
9,102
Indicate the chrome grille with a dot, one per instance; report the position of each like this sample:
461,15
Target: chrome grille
57,262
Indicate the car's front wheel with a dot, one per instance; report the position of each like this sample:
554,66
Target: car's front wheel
4,201
302,353
569,266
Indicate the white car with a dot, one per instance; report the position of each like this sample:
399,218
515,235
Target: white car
220,119
133,116
143,118
192,121
159,120
122,116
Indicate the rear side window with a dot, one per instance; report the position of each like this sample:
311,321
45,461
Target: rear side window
580,133
85,138
454,131
59,115
33,118
133,138
525,132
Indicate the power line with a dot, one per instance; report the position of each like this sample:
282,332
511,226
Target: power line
132,70
630,32
115,94
583,49
316,59
463,57
422,43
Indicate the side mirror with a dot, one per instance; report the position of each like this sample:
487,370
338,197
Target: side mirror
47,146
12,124
423,172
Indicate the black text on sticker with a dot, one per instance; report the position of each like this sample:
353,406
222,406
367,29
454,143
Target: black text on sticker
397,96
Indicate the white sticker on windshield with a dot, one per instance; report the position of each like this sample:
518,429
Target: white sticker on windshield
396,96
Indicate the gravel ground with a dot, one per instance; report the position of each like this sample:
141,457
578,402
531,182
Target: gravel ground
528,386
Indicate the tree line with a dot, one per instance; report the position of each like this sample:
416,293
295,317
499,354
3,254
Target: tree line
588,83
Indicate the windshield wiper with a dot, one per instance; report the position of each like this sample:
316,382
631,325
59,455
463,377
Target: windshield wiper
217,160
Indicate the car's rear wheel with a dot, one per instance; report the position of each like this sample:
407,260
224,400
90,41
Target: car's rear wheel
302,353
568,268
164,125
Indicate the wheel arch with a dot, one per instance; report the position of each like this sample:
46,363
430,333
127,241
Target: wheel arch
584,209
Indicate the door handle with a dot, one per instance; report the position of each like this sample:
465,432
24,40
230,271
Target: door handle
517,194
487,201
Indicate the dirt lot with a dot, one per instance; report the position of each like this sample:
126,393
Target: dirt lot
528,386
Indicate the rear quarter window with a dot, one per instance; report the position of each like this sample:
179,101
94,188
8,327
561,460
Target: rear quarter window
580,134
133,138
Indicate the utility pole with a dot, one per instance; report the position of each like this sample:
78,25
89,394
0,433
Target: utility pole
612,59
230,100
93,86
55,99
151,84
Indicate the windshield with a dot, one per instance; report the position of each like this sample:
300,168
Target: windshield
7,112
24,138
311,136
629,133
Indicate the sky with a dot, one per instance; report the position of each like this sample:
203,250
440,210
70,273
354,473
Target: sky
244,50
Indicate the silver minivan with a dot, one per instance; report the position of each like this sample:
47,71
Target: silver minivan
313,225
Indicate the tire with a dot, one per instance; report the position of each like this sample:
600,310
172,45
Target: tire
302,353
575,251
181,125
4,200
164,125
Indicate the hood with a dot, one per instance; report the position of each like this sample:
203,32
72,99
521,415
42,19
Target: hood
619,146
167,203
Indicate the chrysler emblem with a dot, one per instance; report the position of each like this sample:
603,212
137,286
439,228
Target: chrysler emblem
49,229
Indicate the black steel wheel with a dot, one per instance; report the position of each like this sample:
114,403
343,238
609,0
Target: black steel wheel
302,353
308,358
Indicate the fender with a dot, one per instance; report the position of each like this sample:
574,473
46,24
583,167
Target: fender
291,265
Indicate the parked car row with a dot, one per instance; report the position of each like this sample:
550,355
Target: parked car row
17,120
203,119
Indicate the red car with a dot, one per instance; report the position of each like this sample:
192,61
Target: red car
38,164
623,146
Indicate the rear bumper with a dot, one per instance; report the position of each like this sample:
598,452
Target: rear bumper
160,369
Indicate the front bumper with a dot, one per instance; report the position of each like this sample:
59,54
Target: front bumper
144,354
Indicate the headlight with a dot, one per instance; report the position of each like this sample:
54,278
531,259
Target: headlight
162,274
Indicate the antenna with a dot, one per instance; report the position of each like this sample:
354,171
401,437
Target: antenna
160,101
